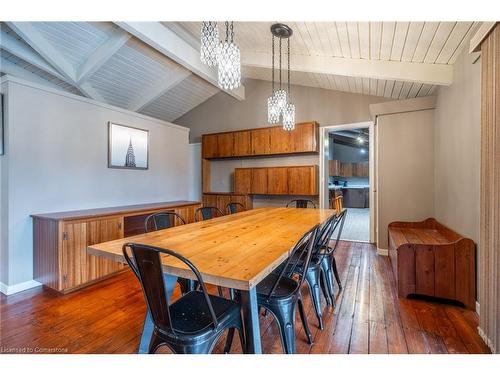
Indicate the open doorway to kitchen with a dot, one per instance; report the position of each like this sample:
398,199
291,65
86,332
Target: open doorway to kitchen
345,168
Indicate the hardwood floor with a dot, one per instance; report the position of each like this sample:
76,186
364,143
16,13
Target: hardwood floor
369,318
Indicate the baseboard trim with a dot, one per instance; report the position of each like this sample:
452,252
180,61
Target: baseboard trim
383,252
16,288
486,340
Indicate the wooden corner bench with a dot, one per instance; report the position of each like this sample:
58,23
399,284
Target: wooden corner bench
430,259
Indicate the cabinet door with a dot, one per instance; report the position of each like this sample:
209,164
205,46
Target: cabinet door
242,145
259,180
303,180
223,201
280,140
210,200
346,169
277,181
304,138
260,141
74,255
243,180
224,145
334,168
187,213
98,231
209,146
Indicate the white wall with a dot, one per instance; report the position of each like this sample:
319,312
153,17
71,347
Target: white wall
458,148
194,165
57,148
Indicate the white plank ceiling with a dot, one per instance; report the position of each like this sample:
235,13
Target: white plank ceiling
416,42
102,61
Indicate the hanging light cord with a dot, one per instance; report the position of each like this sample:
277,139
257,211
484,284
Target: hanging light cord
272,74
227,30
232,32
280,63
288,54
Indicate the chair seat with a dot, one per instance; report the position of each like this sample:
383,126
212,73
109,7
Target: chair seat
285,288
190,313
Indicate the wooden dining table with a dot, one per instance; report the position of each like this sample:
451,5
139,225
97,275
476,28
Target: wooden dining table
234,251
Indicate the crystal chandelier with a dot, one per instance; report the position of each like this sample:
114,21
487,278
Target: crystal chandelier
279,106
209,43
229,62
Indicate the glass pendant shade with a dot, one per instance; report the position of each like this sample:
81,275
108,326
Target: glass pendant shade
229,66
289,117
209,43
281,99
273,112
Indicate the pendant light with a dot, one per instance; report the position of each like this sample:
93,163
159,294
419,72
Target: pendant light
209,43
279,106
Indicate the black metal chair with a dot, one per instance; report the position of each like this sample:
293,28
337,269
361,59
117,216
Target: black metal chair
328,264
301,203
312,271
164,220
206,213
234,207
279,293
193,323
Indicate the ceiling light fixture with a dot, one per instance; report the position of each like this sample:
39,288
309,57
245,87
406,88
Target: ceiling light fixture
223,54
279,106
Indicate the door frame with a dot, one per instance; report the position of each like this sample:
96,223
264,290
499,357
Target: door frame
323,166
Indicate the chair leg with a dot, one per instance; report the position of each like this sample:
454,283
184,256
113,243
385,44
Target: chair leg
187,285
229,340
312,278
154,343
285,315
326,268
336,273
219,290
303,318
324,288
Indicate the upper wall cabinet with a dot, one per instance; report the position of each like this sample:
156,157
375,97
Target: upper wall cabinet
262,141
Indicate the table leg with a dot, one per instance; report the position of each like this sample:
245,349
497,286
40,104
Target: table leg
251,321
147,328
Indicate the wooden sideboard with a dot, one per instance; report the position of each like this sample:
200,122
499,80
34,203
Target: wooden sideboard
60,240
261,142
290,180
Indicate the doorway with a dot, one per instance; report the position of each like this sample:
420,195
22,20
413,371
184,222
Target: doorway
346,171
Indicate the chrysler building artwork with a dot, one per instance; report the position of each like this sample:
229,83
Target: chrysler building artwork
128,147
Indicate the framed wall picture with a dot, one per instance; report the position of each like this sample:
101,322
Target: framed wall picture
128,147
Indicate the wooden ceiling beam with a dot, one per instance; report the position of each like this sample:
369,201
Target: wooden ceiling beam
433,74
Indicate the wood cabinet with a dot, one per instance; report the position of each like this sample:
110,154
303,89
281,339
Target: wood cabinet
220,200
277,180
209,146
225,145
242,143
294,180
303,180
259,181
261,141
346,169
334,168
60,241
360,169
243,180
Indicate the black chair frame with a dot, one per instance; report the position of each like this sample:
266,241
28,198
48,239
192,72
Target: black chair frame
206,213
301,203
163,220
232,207
168,329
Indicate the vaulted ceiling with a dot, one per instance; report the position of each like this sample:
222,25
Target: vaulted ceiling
154,68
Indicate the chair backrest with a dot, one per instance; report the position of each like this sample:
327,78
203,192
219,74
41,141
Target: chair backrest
234,207
304,248
147,266
324,236
162,220
338,205
337,226
207,212
301,203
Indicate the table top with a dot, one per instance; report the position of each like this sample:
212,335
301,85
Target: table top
234,251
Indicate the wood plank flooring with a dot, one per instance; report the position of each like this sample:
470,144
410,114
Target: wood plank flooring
369,318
